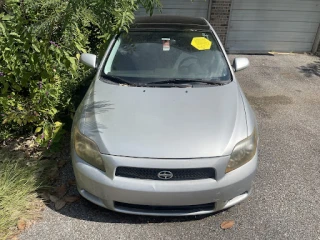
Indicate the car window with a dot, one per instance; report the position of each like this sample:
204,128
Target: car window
144,57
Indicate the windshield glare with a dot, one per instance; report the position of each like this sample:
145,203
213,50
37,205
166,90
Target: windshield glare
142,57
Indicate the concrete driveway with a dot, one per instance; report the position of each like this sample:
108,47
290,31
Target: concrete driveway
285,93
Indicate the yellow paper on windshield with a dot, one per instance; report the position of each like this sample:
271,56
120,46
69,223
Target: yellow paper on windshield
201,43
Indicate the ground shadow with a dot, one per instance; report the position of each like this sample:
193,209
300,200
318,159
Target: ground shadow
311,69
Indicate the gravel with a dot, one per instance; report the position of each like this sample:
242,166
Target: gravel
285,204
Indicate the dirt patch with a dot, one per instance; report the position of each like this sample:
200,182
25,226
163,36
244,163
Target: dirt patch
267,105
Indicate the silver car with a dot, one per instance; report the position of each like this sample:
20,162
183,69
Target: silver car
165,128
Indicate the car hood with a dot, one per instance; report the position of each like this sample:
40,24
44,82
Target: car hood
164,122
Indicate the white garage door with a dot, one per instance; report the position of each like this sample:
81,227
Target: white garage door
195,8
273,25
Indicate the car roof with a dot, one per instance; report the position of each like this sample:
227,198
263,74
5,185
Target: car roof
169,22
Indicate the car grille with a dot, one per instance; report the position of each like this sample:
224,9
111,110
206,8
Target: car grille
177,174
164,209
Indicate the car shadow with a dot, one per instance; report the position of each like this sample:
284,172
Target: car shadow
311,69
85,210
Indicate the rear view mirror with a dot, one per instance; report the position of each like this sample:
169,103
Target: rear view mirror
89,60
240,63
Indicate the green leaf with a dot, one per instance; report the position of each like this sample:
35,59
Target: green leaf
5,88
72,63
35,48
19,107
57,124
78,46
46,132
7,17
3,29
53,111
38,129
14,34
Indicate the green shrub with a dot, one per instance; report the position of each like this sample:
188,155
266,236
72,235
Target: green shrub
40,45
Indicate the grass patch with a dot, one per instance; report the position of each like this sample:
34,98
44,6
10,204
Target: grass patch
18,185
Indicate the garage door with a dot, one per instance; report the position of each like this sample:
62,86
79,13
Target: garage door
195,8
273,25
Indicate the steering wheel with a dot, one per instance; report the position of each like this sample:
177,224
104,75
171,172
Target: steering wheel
185,70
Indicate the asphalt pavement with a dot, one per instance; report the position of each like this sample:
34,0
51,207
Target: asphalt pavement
284,91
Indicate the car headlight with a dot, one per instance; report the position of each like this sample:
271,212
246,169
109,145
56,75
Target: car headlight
243,152
87,150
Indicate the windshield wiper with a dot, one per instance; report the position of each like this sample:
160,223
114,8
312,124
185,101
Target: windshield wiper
186,80
170,82
151,84
117,79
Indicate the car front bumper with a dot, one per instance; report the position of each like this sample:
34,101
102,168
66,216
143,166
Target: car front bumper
107,190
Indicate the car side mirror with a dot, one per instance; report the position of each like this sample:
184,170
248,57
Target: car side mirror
89,60
240,63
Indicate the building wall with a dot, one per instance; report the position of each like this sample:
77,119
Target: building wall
219,17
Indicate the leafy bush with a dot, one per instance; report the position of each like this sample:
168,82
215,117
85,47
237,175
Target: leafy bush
40,45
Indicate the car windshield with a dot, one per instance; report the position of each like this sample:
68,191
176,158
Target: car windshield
154,56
